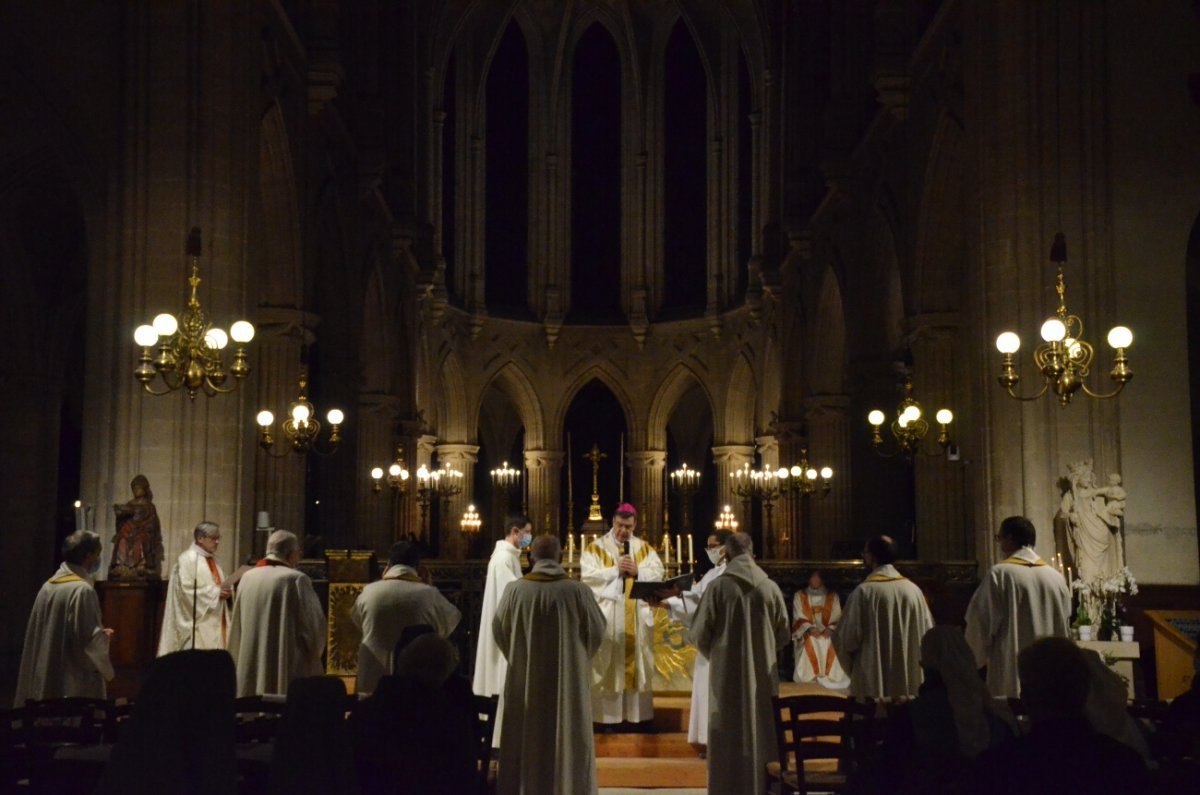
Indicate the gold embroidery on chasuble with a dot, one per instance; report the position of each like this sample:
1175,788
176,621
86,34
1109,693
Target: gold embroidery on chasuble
66,578
537,576
1022,562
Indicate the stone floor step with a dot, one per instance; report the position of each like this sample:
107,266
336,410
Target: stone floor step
671,713
651,773
661,745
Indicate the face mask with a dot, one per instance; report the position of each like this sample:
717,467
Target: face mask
95,569
525,541
714,555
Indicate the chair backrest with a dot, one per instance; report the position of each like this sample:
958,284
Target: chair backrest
485,728
66,721
817,727
257,718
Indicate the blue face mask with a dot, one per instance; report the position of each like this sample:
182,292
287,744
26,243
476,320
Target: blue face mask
525,541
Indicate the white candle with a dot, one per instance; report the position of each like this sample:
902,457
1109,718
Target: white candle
691,552
80,522
679,548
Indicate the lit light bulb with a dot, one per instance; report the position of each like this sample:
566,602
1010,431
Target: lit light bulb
423,473
826,473
265,418
875,418
1054,330
165,324
376,473
242,331
1120,337
945,416
912,413
902,421
394,470
335,416
216,339
797,471
145,336
781,472
403,474
300,413
1008,342
811,474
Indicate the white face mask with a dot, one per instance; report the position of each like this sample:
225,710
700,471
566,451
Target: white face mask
715,555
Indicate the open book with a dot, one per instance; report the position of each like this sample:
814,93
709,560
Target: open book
647,590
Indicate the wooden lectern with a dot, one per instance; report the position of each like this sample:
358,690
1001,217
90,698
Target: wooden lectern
133,609
349,571
1174,649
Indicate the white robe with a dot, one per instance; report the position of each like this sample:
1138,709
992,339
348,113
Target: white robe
815,658
741,625
384,609
490,665
1020,600
192,579
278,630
878,641
683,609
548,627
66,650
620,692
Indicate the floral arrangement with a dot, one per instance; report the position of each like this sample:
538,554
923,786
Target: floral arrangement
1101,596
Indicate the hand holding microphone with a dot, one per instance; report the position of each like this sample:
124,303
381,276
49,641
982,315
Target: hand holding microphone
626,565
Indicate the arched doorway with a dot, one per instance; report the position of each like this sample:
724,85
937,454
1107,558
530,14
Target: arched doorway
594,417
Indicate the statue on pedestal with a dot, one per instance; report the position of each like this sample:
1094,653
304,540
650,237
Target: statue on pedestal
137,546
1095,515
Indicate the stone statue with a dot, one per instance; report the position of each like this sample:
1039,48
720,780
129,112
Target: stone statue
1094,515
137,546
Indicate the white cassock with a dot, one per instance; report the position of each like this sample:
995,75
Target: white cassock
195,585
815,611
1020,600
548,627
66,650
622,689
490,665
278,630
741,625
384,609
878,641
683,609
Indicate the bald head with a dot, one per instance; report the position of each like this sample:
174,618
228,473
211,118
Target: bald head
546,547
282,545
739,544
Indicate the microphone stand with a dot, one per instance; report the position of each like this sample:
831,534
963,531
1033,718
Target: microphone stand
195,579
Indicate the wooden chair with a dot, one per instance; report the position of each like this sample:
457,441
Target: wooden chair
812,728
14,755
66,725
485,729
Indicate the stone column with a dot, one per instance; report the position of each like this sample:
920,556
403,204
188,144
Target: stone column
542,505
775,542
376,513
727,458
940,510
646,468
425,446
461,457
827,519
279,482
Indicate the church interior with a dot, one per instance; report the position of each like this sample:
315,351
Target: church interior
505,255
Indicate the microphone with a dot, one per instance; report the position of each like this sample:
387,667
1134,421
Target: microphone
625,551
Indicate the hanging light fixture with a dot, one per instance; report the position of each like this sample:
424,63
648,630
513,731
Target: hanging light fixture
910,427
803,480
189,347
1064,358
397,475
301,427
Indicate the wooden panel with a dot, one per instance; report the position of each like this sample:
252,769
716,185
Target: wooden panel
133,610
1174,652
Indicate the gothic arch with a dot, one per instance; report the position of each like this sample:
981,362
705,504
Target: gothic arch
515,384
826,355
666,397
740,402
454,420
383,339
941,233
608,375
282,272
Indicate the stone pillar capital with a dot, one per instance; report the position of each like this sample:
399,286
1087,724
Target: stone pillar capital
736,454
426,445
285,322
649,459
536,459
458,453
821,407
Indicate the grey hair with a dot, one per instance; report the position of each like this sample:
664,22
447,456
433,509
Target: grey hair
739,544
77,546
282,544
206,530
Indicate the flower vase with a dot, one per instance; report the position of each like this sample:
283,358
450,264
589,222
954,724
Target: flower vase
1126,633
1085,632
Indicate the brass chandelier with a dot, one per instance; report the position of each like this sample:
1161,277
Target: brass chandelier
1064,358
909,427
397,475
189,348
301,427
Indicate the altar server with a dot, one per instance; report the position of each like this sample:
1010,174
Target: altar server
503,568
817,611
66,644
1020,600
548,627
277,632
878,641
194,616
609,565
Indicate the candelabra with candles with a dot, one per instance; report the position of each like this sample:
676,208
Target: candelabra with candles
504,479
440,484
1064,358
301,427
726,520
686,482
470,522
762,485
189,348
909,427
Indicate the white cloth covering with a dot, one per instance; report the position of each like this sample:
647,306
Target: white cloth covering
816,610
1020,600
191,582
683,609
384,609
548,627
66,650
740,626
878,641
490,664
278,630
622,692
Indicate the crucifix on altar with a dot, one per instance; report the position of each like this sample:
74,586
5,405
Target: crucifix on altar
595,518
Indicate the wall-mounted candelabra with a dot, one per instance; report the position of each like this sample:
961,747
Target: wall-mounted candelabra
909,427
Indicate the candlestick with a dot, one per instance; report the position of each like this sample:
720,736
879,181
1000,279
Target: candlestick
679,548
691,551
79,520
570,478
